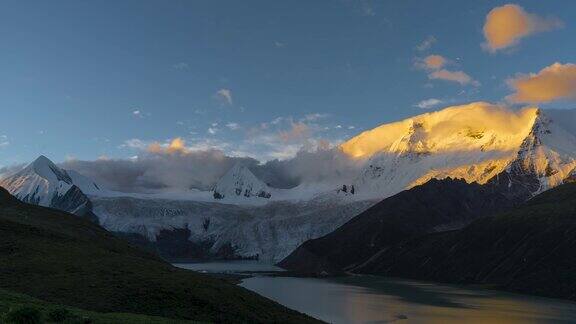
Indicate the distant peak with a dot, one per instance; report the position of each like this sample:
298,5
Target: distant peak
45,168
240,169
240,181
42,160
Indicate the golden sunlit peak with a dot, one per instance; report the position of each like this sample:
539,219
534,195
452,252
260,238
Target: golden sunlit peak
475,126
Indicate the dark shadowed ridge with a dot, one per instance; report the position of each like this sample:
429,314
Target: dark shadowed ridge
529,249
64,259
438,205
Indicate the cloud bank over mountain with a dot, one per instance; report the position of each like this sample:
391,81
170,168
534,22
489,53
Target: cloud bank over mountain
174,168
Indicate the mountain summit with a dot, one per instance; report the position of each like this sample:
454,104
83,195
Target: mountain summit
475,142
239,181
45,184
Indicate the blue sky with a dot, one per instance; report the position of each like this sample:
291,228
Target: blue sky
85,79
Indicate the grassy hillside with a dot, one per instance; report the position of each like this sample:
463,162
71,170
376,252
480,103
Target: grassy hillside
60,258
11,302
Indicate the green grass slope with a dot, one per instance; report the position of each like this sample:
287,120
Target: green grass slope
62,259
10,301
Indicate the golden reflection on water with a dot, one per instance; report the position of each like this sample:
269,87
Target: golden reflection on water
380,300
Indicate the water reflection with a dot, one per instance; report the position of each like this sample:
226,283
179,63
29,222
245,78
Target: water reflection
368,299
379,300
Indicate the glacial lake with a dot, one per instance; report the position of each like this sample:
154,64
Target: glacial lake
371,299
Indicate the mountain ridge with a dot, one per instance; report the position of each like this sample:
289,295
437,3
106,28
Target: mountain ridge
45,184
519,153
528,249
436,206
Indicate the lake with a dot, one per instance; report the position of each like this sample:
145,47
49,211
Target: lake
371,299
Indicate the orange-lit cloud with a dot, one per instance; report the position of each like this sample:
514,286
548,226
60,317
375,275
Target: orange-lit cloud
298,131
554,82
435,66
506,25
455,76
177,145
434,62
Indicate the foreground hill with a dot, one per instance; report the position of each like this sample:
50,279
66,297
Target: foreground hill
64,259
50,312
435,206
529,249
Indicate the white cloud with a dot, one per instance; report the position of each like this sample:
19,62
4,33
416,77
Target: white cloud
225,95
138,113
428,103
426,44
4,141
134,143
314,117
233,126
277,120
181,66
212,130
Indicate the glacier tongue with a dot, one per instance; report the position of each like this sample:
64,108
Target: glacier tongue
269,231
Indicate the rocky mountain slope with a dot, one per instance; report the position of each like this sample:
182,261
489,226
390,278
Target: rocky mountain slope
435,206
63,259
529,249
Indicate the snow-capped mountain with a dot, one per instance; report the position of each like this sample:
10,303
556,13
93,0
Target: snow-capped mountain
239,182
45,184
518,152
474,142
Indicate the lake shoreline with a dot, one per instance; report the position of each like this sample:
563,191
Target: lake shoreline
362,298
237,277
